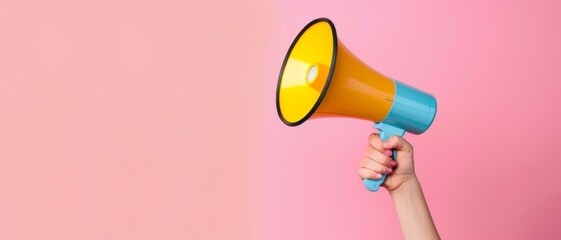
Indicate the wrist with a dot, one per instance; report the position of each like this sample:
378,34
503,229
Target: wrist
408,186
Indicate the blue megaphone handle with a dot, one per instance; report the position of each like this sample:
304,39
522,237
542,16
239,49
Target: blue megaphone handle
386,131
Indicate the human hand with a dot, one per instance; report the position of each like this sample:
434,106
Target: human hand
377,161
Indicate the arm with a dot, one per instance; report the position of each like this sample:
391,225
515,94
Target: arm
402,184
413,212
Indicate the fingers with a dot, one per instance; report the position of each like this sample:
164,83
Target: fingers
376,142
398,143
375,166
377,156
364,173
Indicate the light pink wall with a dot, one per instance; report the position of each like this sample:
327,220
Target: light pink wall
489,165
156,120
128,119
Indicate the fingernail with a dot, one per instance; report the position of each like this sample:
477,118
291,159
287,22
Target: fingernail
385,144
393,163
378,176
388,152
389,170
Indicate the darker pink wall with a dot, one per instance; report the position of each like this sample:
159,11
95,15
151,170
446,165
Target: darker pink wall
489,165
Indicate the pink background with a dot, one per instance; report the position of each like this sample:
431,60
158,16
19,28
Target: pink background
156,120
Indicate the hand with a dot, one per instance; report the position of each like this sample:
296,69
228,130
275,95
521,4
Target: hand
377,161
402,183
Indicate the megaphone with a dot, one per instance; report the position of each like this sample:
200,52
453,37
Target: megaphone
320,77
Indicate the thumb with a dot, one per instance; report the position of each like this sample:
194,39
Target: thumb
397,143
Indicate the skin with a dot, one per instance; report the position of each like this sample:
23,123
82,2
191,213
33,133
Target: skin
402,184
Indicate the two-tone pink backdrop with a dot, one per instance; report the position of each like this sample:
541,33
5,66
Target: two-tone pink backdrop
156,120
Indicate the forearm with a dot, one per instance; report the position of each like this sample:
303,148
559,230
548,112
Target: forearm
413,212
